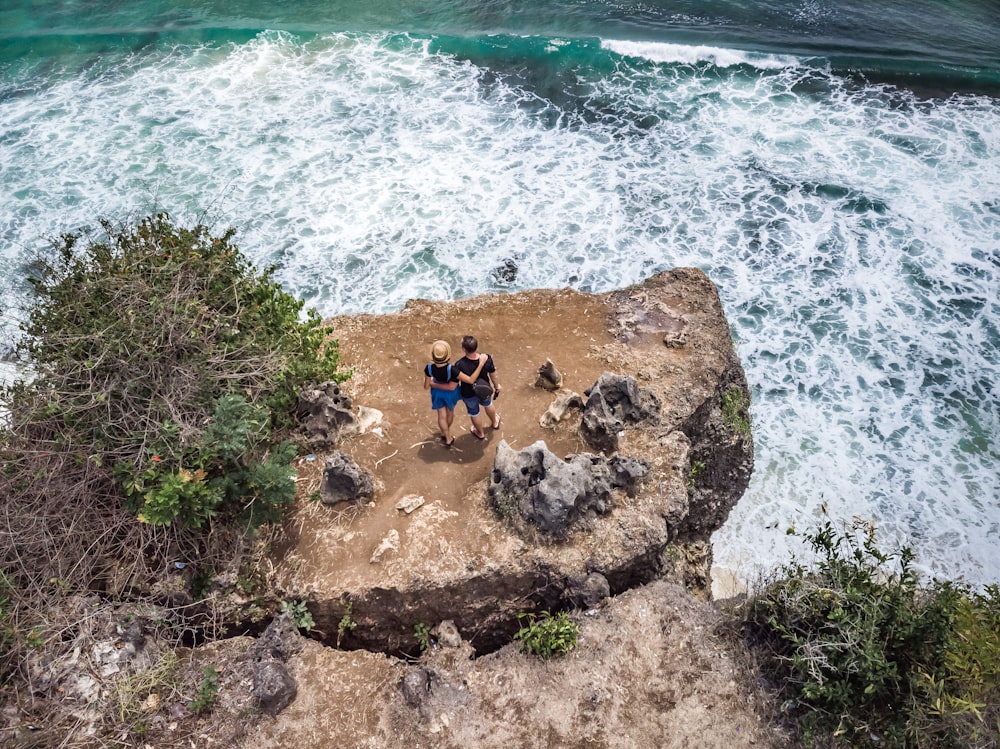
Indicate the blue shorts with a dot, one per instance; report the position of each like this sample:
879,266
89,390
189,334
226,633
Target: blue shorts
444,398
472,404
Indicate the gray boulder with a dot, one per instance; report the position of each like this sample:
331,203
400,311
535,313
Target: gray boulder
613,403
549,378
586,591
273,686
552,494
274,689
325,413
345,481
280,640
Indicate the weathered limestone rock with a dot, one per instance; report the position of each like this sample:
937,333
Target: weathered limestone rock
273,686
560,409
552,494
325,414
614,403
345,481
549,378
586,591
387,544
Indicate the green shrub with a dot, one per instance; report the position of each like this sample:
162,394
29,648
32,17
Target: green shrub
161,353
423,634
546,635
866,656
299,611
736,410
208,690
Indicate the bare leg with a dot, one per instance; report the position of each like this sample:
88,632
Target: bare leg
477,425
445,416
491,412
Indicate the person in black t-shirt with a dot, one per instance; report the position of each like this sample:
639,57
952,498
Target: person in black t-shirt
472,368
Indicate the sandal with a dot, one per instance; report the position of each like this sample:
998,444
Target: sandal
448,444
497,425
477,435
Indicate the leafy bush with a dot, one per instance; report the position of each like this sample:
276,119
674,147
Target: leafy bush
736,410
299,611
866,656
161,352
208,690
546,635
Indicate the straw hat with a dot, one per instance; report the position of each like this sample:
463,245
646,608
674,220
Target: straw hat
440,352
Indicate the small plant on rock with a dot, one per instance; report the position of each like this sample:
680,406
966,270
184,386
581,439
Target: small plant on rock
546,635
423,634
736,410
301,617
208,690
346,624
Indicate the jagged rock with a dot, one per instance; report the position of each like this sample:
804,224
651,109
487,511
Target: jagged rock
675,338
447,635
409,503
416,685
280,640
627,472
326,415
614,402
549,378
345,481
559,408
389,543
274,689
550,493
273,686
586,591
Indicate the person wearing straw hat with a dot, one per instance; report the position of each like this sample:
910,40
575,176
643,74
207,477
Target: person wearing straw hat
442,380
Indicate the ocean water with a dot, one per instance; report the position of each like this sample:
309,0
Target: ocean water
833,166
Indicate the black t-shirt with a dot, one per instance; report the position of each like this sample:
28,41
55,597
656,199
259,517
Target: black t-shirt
439,373
468,366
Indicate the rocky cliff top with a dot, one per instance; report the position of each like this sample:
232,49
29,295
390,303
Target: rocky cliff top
459,555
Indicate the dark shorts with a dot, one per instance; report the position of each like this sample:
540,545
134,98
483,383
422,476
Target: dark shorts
472,404
444,398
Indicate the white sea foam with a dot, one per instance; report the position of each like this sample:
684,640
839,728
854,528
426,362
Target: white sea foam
693,54
854,234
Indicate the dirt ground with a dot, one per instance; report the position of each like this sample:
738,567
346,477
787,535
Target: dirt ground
654,667
387,354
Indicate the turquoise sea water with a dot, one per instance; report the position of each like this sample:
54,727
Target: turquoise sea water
833,166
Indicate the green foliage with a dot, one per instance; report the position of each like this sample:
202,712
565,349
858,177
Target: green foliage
346,624
301,617
697,468
208,690
960,704
162,353
8,639
867,656
546,635
423,634
736,410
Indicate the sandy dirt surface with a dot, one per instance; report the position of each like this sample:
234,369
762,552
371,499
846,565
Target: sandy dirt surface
329,548
651,670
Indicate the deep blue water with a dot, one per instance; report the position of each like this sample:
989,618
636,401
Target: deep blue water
833,166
